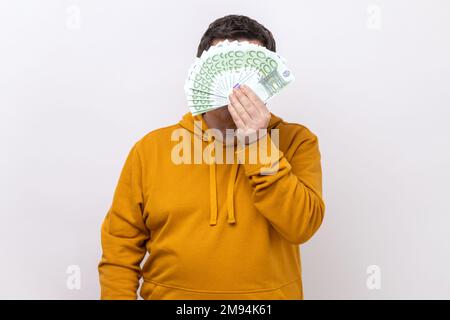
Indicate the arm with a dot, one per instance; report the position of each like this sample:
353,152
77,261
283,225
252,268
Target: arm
290,197
124,235
287,193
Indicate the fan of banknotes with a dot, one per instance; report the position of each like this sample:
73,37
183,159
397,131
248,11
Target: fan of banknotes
212,76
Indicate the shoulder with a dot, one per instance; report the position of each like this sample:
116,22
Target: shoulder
155,137
297,139
295,132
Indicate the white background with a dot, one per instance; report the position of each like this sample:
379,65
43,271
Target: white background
81,81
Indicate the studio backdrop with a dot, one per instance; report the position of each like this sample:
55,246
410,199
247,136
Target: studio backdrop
81,81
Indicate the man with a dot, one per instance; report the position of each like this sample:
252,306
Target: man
215,229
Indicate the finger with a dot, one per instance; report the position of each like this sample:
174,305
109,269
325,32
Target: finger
247,103
237,120
254,98
245,117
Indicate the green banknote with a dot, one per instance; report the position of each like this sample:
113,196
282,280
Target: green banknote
212,76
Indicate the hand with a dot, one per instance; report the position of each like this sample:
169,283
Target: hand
249,113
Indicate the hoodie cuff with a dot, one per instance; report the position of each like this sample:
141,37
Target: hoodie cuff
260,157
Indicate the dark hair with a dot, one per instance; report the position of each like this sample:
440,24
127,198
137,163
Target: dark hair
234,27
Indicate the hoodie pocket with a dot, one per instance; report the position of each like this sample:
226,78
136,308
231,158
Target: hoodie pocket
149,291
152,291
292,291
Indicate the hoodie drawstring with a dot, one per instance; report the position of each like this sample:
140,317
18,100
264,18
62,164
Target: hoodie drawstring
213,190
212,193
197,125
230,193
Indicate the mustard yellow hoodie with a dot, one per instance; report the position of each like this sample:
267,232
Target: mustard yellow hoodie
215,229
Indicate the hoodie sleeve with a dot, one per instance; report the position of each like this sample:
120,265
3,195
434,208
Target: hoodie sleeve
287,193
124,235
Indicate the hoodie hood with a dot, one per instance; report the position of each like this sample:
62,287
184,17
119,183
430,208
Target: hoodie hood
189,121
198,127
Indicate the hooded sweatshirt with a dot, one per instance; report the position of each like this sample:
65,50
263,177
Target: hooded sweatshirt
225,227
